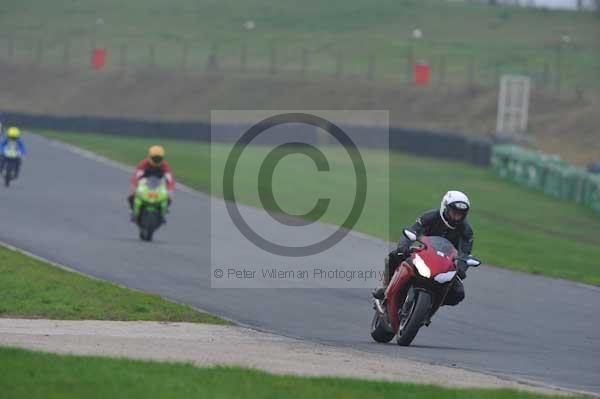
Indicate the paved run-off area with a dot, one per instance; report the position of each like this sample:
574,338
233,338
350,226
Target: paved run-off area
71,209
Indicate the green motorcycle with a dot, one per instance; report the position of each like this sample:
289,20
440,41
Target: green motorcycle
150,205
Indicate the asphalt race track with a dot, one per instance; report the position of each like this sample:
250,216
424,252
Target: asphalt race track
71,209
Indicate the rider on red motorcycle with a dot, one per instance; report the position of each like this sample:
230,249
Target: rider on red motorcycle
450,222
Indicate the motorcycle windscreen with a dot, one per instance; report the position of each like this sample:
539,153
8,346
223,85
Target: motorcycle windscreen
440,244
439,255
153,182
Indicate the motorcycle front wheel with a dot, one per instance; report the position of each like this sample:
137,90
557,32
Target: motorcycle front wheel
148,223
9,172
410,325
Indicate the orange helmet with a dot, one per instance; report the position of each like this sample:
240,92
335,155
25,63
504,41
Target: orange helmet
156,154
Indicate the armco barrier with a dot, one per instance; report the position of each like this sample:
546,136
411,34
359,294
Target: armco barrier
426,143
546,173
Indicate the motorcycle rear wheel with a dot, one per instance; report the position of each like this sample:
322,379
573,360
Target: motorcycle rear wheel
416,319
379,329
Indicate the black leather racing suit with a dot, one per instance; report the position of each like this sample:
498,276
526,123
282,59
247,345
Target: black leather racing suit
432,224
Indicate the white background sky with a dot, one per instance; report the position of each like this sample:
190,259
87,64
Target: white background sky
569,4
560,3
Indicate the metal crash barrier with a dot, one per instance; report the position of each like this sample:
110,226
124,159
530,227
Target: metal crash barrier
546,173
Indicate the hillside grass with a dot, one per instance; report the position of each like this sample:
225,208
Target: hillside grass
463,36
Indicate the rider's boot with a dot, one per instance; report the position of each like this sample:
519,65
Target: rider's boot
163,215
132,217
379,293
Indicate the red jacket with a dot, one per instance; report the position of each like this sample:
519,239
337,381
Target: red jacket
145,169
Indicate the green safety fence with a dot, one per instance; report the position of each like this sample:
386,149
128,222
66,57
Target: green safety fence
546,173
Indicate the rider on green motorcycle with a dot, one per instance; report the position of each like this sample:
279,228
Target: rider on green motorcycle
151,191
156,166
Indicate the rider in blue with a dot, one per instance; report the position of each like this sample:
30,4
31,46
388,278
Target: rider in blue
13,135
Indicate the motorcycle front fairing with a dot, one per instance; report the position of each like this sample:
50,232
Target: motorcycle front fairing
11,151
395,293
436,268
151,193
430,267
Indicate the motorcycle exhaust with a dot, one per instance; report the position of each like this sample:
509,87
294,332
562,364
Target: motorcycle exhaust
377,306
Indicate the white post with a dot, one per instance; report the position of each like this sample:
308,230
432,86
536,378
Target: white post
513,104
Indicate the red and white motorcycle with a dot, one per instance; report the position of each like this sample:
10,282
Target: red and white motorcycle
417,289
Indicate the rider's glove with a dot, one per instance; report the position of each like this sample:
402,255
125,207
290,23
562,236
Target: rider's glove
395,257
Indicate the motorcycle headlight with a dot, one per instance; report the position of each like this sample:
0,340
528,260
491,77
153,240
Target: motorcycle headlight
421,266
445,277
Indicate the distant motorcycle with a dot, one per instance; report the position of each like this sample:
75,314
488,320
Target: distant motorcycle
10,159
417,289
150,206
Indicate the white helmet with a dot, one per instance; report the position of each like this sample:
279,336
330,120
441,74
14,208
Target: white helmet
456,201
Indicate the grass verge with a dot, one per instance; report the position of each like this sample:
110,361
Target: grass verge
515,228
25,374
31,288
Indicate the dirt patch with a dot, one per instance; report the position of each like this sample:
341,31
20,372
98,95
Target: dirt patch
210,345
568,125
